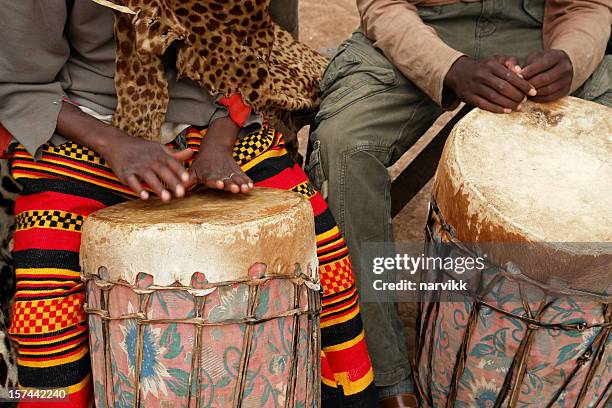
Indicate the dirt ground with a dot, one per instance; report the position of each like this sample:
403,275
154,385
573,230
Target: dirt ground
325,24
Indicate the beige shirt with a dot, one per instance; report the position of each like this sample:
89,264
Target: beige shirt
581,28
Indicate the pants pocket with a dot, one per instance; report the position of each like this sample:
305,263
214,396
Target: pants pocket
535,9
358,70
314,169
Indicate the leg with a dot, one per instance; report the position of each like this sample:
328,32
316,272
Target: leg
346,367
598,88
49,325
370,115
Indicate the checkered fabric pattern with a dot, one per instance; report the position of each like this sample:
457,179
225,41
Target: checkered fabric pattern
77,152
337,276
44,316
50,326
254,145
304,189
49,219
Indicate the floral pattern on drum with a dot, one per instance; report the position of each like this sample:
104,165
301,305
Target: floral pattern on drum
161,369
567,344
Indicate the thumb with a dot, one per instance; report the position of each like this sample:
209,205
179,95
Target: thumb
512,64
193,179
181,155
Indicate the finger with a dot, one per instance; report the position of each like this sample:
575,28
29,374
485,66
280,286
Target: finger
176,160
504,88
179,169
170,179
181,155
538,66
546,78
523,86
154,184
230,185
133,183
193,178
244,182
557,87
483,103
214,182
512,64
496,98
532,57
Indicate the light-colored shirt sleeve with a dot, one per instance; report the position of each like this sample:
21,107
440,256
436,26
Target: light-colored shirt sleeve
412,46
33,51
581,28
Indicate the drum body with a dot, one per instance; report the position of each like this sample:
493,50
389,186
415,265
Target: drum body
177,320
535,329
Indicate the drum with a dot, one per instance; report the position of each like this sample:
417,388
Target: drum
179,318
530,193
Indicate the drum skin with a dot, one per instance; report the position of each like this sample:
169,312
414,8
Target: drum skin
175,317
215,233
542,176
527,187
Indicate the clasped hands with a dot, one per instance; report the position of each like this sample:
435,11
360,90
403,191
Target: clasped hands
498,84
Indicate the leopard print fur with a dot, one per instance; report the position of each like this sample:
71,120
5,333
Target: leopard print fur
227,46
8,192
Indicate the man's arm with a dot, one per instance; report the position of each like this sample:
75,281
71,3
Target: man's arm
580,28
413,47
32,53
443,73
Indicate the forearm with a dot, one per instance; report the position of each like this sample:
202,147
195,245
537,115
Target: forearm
412,46
81,128
580,28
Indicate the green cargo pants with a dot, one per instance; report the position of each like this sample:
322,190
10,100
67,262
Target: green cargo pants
371,114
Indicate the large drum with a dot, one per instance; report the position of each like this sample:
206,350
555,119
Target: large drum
531,194
179,318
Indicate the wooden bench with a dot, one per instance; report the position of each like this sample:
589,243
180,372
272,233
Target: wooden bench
423,167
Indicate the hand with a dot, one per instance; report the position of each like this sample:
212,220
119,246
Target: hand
550,72
488,83
215,166
136,160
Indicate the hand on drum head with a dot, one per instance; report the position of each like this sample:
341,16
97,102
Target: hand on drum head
550,72
215,166
134,161
139,163
489,83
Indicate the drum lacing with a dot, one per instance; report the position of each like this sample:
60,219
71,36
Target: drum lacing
512,384
301,283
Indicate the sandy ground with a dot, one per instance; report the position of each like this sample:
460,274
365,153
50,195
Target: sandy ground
325,24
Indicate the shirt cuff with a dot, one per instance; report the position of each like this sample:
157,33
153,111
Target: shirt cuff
581,58
448,100
250,123
238,110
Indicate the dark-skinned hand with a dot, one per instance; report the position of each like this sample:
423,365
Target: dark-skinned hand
550,72
488,83
136,161
215,166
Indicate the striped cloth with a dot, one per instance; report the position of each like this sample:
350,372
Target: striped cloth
70,182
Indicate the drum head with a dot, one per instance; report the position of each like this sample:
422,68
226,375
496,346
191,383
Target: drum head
543,175
216,233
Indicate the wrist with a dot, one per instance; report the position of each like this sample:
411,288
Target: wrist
223,132
110,137
452,76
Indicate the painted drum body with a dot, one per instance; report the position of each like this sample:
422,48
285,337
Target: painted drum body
177,320
533,192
